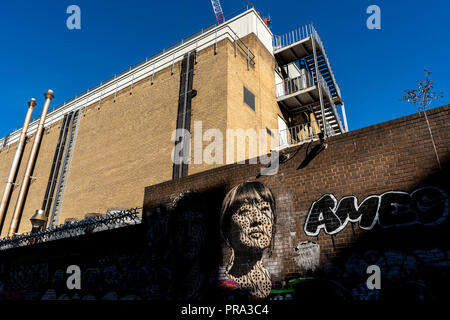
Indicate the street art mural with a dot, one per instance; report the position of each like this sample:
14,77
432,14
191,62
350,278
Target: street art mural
231,233
248,219
427,206
210,244
231,242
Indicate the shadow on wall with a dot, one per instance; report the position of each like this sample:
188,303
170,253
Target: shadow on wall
114,266
184,245
186,239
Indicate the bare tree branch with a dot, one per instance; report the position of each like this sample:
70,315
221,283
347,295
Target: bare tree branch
422,97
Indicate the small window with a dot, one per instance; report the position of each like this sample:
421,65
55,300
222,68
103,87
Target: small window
249,98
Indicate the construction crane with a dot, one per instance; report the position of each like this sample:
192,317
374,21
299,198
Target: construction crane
218,11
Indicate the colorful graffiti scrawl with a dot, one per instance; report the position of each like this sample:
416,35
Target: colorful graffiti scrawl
427,206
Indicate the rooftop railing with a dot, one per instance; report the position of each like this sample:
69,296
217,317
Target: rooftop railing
292,36
240,43
301,133
292,85
299,34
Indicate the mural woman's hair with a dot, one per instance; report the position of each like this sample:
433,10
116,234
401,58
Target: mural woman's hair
250,192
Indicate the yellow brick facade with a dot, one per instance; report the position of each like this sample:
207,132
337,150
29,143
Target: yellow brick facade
126,145
37,185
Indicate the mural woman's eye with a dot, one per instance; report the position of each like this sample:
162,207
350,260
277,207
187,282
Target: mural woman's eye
243,212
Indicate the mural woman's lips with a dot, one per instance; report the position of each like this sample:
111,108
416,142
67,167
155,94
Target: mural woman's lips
256,234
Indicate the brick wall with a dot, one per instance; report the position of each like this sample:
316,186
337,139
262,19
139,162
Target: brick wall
260,80
393,156
41,172
172,256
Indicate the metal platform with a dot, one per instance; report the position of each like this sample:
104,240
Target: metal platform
300,100
298,44
293,52
299,95
320,93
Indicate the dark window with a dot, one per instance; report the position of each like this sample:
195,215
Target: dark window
249,98
269,132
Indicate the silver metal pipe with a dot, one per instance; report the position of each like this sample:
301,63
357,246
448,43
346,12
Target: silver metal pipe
15,164
344,116
30,166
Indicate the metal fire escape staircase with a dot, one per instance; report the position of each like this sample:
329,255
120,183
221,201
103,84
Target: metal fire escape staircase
73,120
313,90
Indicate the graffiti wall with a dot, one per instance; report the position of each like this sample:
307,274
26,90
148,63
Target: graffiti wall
361,216
114,266
427,206
374,198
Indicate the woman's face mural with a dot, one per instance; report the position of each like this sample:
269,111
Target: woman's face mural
251,225
248,220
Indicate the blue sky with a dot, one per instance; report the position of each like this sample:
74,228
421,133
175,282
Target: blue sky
372,67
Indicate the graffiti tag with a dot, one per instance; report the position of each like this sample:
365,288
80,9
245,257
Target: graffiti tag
427,206
307,255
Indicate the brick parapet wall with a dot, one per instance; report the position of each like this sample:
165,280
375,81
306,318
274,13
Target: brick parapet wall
166,258
392,156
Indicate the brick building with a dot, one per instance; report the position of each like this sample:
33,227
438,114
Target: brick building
118,135
340,202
